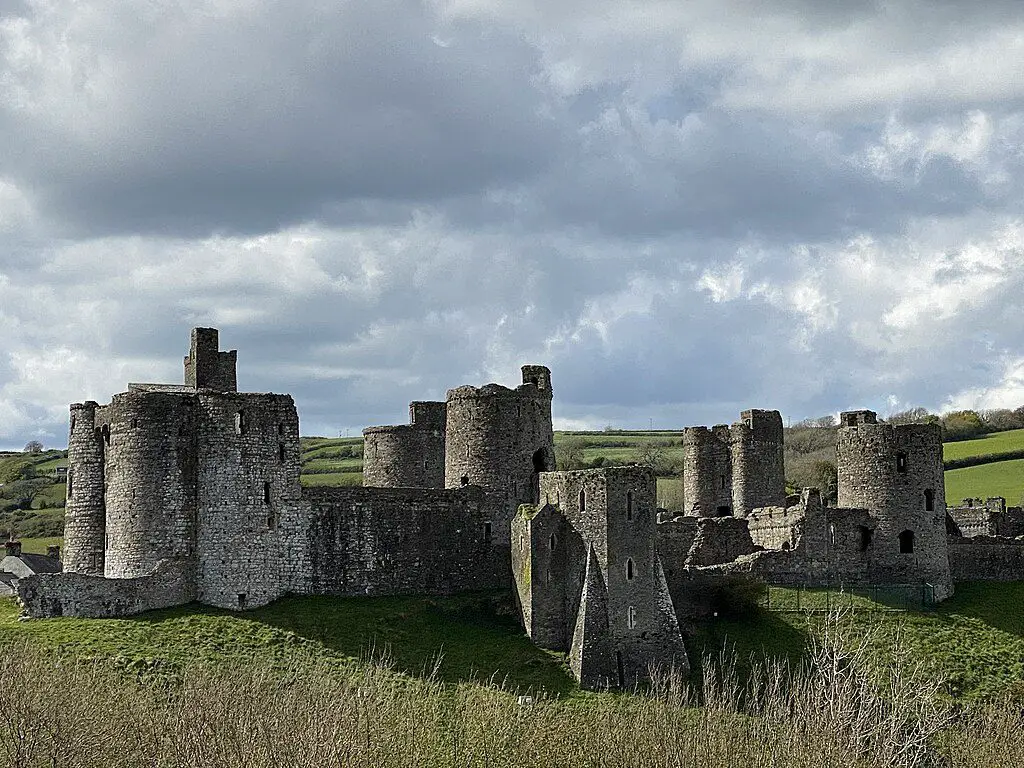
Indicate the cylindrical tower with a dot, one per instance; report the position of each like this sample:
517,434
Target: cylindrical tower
151,481
707,471
84,512
758,466
501,439
895,472
410,455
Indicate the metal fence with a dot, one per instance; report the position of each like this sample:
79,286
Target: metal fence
824,598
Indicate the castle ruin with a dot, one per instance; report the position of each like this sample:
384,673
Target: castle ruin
190,492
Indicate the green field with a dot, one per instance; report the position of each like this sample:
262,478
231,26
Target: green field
997,442
1001,478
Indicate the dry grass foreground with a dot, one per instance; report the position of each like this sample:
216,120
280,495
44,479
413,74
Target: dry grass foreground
62,711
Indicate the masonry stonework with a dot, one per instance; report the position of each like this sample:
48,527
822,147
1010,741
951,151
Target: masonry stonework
407,455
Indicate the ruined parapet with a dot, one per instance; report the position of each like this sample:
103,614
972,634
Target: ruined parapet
977,517
501,439
758,467
707,471
206,367
84,510
407,455
719,540
150,469
895,472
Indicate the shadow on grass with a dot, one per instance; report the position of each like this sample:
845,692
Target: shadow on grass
997,604
457,639
746,642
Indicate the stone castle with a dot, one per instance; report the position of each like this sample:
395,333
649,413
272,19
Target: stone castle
190,492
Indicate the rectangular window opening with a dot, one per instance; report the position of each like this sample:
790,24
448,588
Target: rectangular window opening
266,493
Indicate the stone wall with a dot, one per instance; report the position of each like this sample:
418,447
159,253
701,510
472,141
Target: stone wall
365,541
988,517
250,518
47,595
719,540
986,558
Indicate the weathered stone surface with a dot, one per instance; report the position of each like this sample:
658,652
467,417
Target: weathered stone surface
408,455
986,558
895,472
171,583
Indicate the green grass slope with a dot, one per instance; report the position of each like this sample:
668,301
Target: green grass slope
1000,478
995,443
973,643
457,639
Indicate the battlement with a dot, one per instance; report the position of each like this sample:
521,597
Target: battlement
208,368
857,418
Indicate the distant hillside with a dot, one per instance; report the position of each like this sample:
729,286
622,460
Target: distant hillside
32,495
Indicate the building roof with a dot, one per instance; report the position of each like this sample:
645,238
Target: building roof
40,563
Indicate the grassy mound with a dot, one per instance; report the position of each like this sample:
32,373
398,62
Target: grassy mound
456,639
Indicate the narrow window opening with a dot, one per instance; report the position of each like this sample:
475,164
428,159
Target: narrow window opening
241,600
786,546
901,462
631,617
135,423
831,534
280,429
465,480
72,424
629,505
240,423
522,543
106,434
424,463
538,461
552,541
906,542
866,535
547,576
583,501
280,452
629,569
722,481
929,500
266,493
487,532
272,520
619,667
71,483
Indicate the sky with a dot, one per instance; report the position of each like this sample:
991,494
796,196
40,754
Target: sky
683,209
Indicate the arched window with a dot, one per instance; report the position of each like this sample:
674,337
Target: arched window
583,501
629,569
906,542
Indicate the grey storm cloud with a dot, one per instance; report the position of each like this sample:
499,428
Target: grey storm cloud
682,208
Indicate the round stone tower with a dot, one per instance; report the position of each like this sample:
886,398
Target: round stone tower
707,471
758,467
407,455
895,472
148,440
501,439
84,511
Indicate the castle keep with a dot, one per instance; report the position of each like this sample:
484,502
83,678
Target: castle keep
190,492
